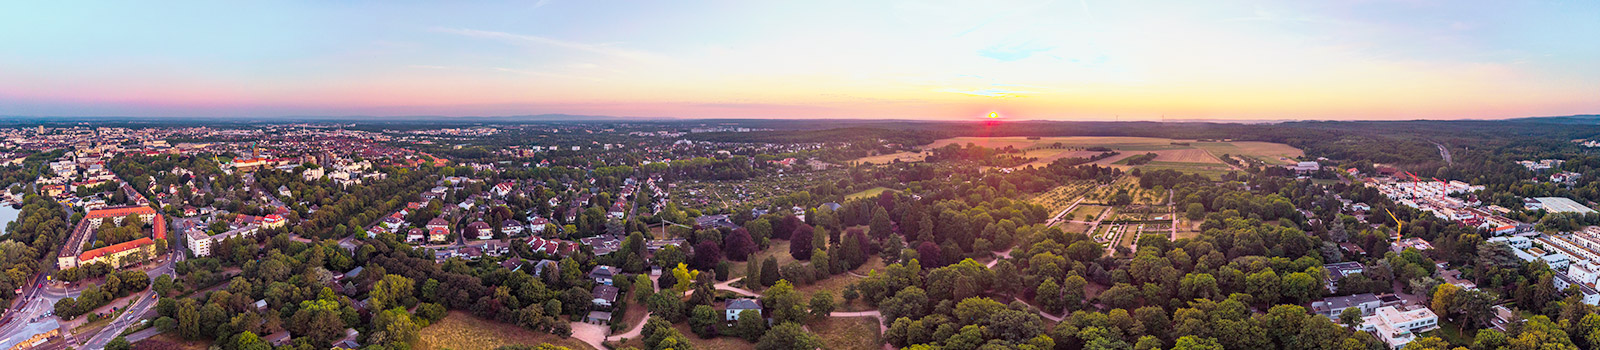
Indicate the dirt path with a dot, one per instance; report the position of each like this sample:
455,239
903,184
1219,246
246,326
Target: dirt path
728,286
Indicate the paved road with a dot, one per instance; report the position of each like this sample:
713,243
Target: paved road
1174,209
1444,152
1057,219
140,309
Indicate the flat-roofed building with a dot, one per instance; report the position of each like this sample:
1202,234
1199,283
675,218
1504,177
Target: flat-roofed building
1398,328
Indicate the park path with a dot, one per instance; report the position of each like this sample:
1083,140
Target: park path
1041,312
999,255
1057,219
728,286
1174,210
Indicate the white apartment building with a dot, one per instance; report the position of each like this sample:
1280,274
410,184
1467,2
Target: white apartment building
200,243
1398,328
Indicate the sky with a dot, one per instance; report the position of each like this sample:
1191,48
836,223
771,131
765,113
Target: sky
953,60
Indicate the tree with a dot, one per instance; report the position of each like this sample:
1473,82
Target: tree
1072,291
392,291
120,343
800,243
703,321
751,325
1195,211
789,336
1264,285
1444,298
1302,287
739,245
1190,342
821,305
188,319
394,326
1048,296
684,277
769,271
1350,317
706,255
880,226
784,302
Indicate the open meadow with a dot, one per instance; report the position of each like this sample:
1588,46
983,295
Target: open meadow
463,331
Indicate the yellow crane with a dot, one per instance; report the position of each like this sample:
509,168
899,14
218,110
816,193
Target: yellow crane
1397,224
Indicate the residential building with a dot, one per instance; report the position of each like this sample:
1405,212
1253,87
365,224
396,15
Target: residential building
1333,306
1337,271
1398,328
602,274
737,306
605,296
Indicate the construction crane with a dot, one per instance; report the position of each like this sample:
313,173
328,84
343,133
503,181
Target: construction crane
1397,224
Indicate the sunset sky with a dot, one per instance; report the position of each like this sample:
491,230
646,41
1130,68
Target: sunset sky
1081,60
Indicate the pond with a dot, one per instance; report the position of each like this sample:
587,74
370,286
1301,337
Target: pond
7,215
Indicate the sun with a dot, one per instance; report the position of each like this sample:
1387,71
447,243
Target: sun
994,115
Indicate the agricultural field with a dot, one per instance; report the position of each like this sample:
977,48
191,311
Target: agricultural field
1180,155
1213,170
890,158
1057,199
1271,153
463,331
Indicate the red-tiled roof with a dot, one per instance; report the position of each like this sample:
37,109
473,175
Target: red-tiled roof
115,248
115,212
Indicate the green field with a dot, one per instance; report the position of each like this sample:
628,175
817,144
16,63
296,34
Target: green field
1211,170
870,192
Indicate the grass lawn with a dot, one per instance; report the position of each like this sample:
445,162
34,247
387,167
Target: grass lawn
1448,331
1085,212
833,284
718,343
463,331
870,192
778,248
848,333
1074,227
171,341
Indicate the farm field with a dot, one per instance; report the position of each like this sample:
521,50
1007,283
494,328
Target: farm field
1181,155
890,158
1212,170
463,331
1067,143
1271,153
